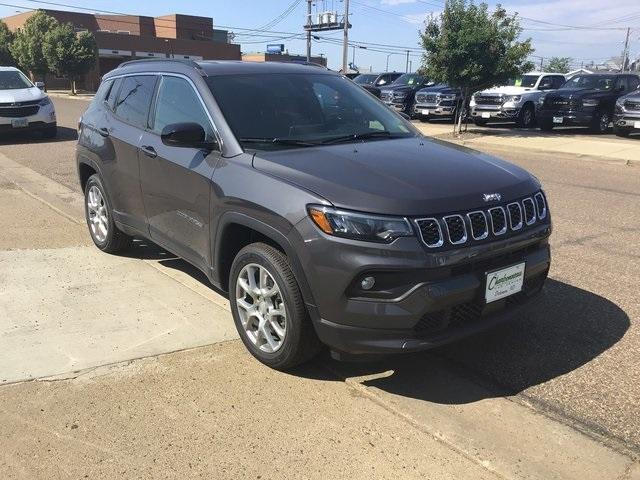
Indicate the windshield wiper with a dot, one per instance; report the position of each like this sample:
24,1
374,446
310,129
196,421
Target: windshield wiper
279,141
360,136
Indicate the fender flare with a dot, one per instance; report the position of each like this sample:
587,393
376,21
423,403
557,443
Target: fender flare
270,232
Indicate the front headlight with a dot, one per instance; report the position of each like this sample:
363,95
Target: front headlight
541,100
512,99
359,226
44,102
590,102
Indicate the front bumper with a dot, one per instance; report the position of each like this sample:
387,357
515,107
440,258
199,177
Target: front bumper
433,110
627,120
441,297
494,113
572,118
45,117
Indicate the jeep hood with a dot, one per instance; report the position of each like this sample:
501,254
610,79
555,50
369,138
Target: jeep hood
411,176
21,95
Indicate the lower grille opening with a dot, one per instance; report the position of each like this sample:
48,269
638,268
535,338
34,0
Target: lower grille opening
460,316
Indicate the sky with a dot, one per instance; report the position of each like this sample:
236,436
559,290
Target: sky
585,30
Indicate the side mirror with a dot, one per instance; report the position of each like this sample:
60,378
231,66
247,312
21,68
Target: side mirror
40,85
187,135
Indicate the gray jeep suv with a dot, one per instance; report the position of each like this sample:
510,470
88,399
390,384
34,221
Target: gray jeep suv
327,217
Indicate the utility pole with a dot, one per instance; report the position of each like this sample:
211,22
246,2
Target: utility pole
407,67
345,44
309,30
625,55
388,61
542,64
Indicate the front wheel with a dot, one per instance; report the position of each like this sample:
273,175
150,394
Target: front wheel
600,123
526,117
268,309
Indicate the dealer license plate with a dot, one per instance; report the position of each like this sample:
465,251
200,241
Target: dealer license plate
558,119
486,115
504,282
19,122
425,112
636,124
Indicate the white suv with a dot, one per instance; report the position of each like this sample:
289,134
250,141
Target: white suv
23,106
515,102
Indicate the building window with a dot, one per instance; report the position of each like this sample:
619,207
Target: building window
124,32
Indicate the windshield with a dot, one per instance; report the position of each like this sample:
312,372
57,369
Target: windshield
275,111
597,82
365,79
409,79
13,80
526,81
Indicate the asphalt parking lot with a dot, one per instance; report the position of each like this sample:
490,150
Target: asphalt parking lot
567,371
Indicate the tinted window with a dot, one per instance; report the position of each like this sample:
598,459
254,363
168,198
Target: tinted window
634,82
410,79
558,81
134,99
113,93
598,82
13,80
527,81
365,79
177,102
103,91
313,108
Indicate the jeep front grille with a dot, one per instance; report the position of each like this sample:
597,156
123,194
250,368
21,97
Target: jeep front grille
477,225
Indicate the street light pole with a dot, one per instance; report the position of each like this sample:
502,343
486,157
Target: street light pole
345,42
309,30
388,61
407,67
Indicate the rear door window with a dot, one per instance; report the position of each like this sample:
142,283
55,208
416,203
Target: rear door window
134,99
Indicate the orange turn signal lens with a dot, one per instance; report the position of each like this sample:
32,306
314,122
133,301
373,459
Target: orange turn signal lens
320,220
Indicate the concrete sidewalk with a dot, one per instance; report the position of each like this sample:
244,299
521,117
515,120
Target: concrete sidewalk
623,150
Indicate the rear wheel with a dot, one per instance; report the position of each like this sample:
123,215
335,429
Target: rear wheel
600,123
99,214
268,309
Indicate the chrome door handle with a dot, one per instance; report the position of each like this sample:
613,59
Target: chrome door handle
149,151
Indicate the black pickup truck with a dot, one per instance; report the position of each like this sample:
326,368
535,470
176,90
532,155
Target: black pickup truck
400,95
374,82
585,101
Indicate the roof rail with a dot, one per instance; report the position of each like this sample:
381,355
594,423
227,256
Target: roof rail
188,63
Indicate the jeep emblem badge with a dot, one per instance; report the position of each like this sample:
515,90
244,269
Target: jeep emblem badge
491,197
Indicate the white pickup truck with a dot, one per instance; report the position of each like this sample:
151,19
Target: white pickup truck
515,102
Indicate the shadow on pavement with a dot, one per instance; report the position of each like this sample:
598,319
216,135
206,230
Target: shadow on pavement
65,134
565,329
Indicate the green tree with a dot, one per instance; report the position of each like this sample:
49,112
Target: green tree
28,44
470,48
559,65
69,54
6,38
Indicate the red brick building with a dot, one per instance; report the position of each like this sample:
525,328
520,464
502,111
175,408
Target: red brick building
125,37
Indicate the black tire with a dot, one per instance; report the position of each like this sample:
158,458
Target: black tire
50,132
300,343
115,240
600,123
622,132
526,117
546,125
479,122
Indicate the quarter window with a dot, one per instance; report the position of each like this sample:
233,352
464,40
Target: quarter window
134,99
177,102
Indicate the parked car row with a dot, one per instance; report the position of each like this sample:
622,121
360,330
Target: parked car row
544,99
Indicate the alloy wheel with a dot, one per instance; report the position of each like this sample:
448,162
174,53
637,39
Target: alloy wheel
98,216
261,308
604,122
